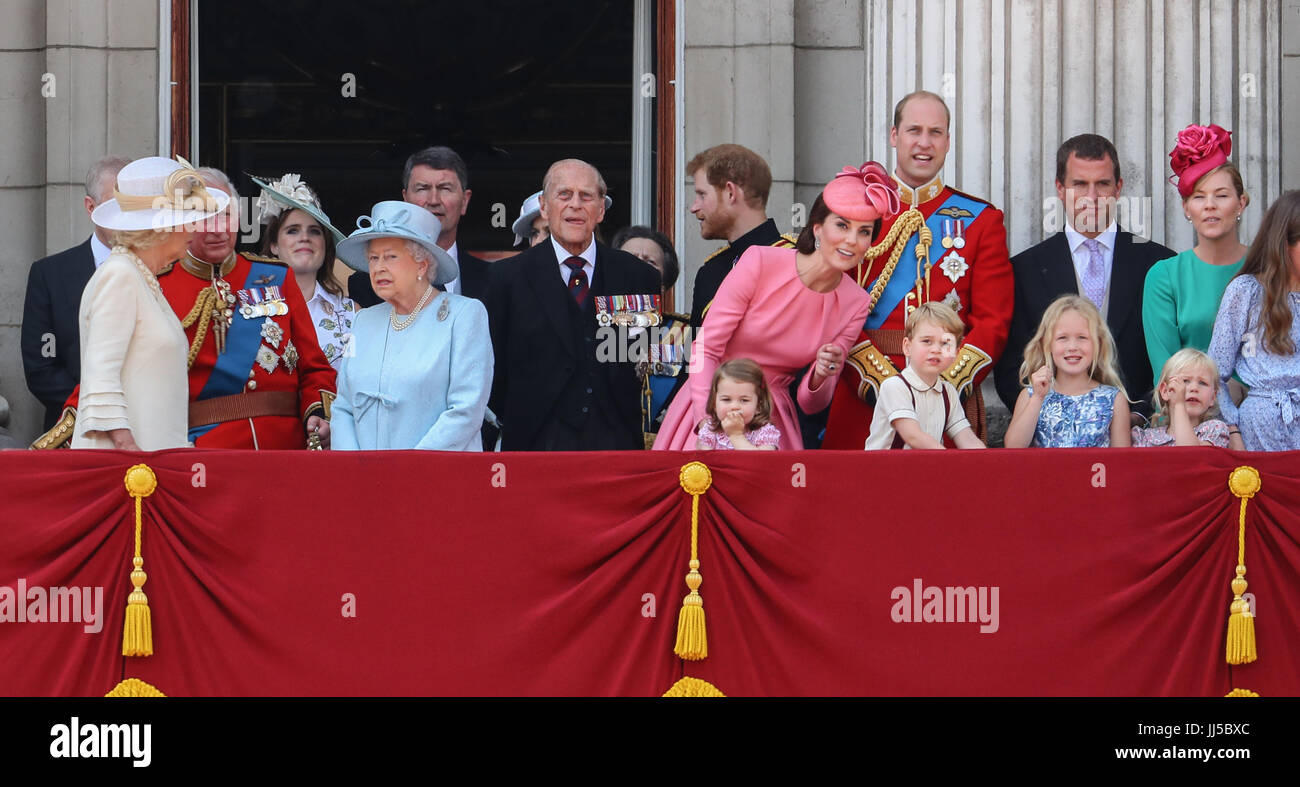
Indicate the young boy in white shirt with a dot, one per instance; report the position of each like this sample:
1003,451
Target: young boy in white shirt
917,407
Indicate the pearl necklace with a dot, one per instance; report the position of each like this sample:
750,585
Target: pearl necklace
150,278
405,322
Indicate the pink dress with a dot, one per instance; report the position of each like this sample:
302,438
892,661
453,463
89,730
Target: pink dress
764,312
721,441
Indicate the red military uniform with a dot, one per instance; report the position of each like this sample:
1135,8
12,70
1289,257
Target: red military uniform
270,373
970,271
256,370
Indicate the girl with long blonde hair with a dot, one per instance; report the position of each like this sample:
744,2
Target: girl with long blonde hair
1073,395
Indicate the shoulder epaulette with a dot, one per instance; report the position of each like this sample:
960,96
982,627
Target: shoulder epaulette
786,241
260,258
716,253
972,197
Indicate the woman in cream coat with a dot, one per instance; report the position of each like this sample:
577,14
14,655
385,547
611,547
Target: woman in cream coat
134,391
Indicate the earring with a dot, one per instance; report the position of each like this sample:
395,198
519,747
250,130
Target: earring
1238,218
1186,216
817,242
419,277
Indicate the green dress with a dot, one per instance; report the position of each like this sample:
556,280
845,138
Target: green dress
1179,304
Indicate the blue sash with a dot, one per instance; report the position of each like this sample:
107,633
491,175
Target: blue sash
906,273
230,374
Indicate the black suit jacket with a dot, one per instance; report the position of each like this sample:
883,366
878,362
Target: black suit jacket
1046,271
533,337
52,306
473,281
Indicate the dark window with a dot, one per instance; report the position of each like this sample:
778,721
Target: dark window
511,86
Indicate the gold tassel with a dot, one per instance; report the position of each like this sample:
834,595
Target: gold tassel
137,630
1244,483
692,639
1236,693
693,687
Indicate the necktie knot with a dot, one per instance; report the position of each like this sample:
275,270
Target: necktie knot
578,283
1093,245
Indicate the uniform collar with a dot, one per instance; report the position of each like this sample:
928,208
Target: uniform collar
204,270
921,194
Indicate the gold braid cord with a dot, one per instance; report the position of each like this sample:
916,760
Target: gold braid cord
204,306
896,240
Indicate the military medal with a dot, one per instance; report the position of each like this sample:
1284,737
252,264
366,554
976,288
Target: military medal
272,332
947,241
952,300
290,356
959,235
634,311
266,358
954,266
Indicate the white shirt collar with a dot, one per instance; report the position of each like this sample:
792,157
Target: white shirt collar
914,380
327,296
98,250
453,286
454,251
588,254
1076,239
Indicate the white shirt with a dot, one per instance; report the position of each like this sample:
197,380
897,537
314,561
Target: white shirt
588,255
99,250
1079,250
895,402
453,286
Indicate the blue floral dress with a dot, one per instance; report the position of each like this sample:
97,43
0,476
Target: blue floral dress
1081,421
1269,416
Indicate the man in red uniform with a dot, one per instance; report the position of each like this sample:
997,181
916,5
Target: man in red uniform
948,247
257,376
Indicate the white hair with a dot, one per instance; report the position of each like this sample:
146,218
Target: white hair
100,171
216,177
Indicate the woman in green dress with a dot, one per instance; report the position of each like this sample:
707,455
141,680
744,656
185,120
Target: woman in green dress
1182,293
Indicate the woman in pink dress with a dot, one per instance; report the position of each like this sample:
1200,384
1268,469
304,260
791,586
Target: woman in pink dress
789,308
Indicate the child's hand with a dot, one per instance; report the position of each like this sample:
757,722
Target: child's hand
1041,380
733,424
1176,392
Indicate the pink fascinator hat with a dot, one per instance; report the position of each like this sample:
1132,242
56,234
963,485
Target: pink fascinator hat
1199,149
864,193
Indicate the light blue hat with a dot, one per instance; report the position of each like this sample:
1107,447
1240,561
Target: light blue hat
397,219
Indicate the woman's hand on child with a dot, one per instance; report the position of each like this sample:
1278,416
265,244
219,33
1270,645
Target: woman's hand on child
1041,380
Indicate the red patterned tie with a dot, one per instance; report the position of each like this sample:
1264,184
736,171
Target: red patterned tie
577,279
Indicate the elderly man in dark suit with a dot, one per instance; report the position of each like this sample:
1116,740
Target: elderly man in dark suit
437,180
1092,257
51,339
554,389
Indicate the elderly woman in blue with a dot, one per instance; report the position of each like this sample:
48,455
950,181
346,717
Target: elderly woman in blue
419,370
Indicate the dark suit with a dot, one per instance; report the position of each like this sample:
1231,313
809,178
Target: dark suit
53,303
1046,271
551,389
473,281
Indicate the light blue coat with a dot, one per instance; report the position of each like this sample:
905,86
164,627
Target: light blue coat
423,387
